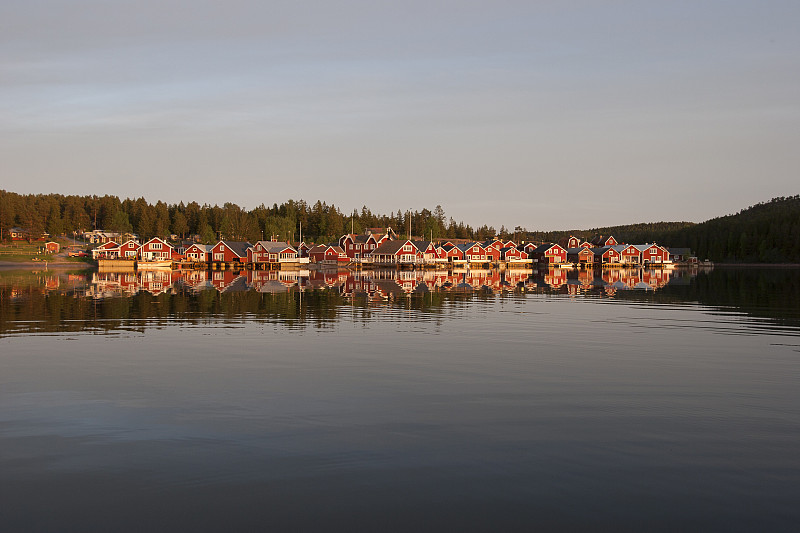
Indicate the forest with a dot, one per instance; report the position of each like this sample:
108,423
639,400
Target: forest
59,215
768,232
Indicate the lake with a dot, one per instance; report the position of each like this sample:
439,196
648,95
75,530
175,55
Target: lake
398,401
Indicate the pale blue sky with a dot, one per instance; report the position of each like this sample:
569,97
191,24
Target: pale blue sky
549,115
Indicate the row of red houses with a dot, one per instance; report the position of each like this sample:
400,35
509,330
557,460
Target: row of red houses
384,249
157,250
392,252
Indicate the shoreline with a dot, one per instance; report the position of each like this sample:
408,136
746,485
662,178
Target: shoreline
38,265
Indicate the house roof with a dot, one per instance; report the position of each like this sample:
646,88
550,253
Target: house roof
275,247
390,247
602,250
466,246
238,247
544,247
601,239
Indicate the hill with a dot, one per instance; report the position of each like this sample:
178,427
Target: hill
767,232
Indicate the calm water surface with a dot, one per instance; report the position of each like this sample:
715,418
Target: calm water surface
476,401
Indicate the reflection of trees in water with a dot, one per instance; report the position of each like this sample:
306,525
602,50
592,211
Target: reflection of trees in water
37,303
772,293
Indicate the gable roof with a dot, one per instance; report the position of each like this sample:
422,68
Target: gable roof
237,247
421,245
159,239
544,247
391,247
275,247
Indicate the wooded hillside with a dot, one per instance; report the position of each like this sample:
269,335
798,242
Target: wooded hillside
766,232
57,214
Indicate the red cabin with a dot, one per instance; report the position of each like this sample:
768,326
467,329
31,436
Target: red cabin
155,250
230,252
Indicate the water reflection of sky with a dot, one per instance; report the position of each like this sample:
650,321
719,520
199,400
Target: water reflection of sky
546,408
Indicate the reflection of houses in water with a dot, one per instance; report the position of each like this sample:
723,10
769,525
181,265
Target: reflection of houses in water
196,280
327,278
107,284
224,280
157,281
375,284
128,283
274,281
555,277
360,285
609,281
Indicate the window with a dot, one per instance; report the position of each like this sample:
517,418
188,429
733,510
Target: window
407,248
155,245
219,257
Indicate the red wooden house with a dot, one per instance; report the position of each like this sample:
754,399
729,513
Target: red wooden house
359,246
549,254
397,253
230,252
129,250
109,250
200,253
428,251
653,254
271,252
20,234
629,254
473,253
155,250
606,255
453,253
441,254
601,240
579,255
493,243
327,253
493,253
513,254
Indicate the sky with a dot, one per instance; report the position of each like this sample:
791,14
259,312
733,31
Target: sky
543,114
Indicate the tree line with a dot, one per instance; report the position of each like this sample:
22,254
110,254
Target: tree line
58,214
767,232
